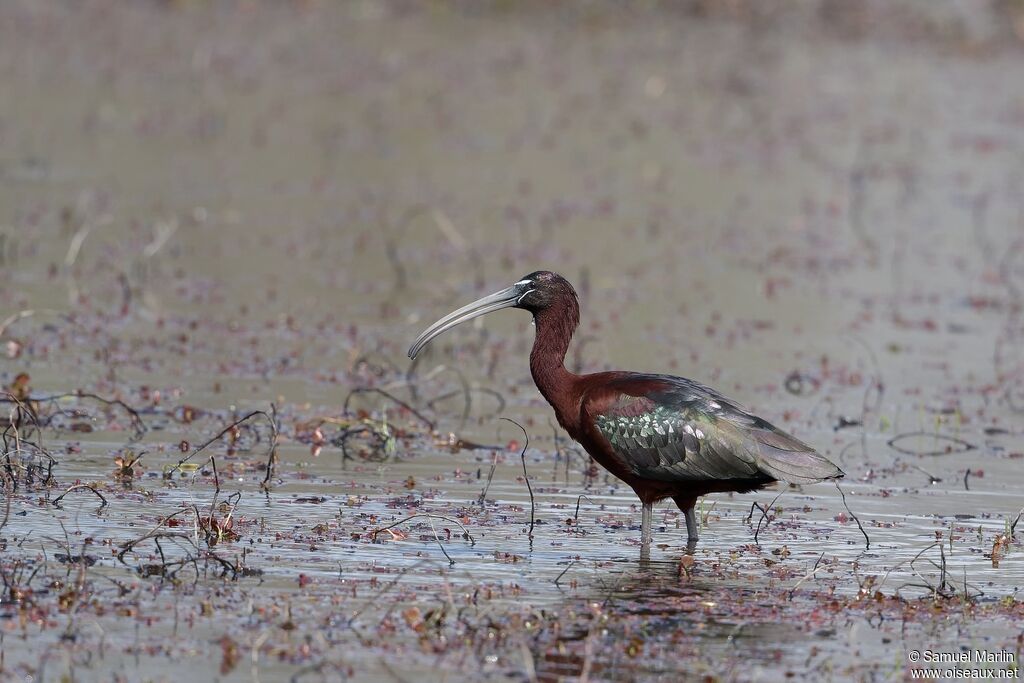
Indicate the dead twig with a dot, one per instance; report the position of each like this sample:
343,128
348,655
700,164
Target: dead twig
940,590
430,520
964,445
764,515
467,397
576,515
8,496
373,390
378,446
526,475
221,433
128,545
467,391
1013,527
482,498
384,367
932,479
410,377
896,566
401,279
808,575
860,526
137,424
439,544
465,532
85,226
567,568
79,487
272,451
23,410
177,537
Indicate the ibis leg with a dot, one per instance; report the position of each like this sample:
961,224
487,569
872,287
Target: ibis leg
686,504
691,525
646,522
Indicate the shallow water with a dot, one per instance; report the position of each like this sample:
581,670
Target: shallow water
829,230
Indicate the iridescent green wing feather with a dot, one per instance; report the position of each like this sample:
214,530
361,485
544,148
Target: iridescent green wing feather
672,429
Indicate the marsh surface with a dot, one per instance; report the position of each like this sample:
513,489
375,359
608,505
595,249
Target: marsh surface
210,211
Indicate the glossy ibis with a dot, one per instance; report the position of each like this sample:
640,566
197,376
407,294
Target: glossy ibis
665,436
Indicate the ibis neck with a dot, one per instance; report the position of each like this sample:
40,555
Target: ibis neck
555,327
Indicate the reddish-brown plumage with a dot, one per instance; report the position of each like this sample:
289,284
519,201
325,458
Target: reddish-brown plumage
577,398
666,437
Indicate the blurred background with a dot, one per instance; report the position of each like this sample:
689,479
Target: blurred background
365,165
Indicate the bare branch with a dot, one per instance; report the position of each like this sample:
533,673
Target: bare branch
79,487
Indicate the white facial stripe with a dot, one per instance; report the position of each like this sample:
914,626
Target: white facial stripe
520,299
522,282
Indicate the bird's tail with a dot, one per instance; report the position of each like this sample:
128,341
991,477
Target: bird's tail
790,460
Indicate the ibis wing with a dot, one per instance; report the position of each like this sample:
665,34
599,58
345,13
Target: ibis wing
672,429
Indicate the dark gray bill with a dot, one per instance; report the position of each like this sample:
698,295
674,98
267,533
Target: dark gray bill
506,298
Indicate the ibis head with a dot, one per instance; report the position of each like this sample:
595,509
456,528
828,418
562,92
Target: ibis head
535,292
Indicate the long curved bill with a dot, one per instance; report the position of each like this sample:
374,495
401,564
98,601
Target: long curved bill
506,298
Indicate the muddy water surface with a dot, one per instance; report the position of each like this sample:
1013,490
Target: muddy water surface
207,211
